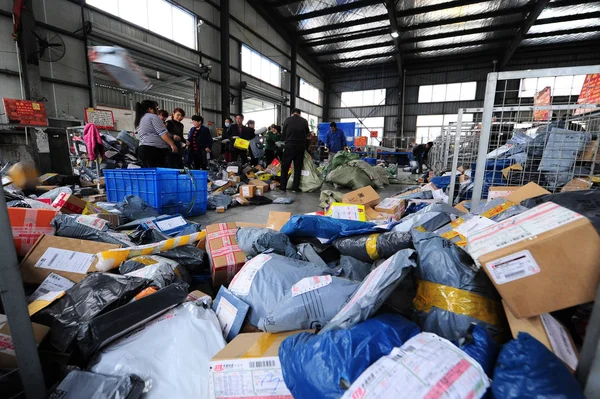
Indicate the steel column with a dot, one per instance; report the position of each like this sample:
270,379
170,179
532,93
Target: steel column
455,156
225,78
294,75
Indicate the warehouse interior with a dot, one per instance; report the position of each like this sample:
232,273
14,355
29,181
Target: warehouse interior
472,113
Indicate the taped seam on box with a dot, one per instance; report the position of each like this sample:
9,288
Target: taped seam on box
456,301
371,246
259,348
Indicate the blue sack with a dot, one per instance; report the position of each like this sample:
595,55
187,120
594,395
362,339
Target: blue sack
480,345
326,227
318,366
526,369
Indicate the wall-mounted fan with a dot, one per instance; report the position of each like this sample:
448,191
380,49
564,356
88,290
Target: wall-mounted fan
51,47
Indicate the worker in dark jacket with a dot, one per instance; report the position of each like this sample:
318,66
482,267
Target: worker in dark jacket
295,134
175,128
420,153
239,131
336,141
200,143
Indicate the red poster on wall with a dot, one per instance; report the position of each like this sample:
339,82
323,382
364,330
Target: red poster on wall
374,133
542,98
590,93
25,112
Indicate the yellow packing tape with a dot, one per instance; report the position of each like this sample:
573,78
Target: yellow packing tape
259,348
456,301
40,304
371,246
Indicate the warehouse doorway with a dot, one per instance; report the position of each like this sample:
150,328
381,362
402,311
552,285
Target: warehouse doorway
263,112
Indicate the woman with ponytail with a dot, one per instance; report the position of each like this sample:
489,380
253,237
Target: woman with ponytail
155,142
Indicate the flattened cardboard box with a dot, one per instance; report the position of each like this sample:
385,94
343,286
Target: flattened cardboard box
249,367
542,260
36,275
8,358
28,225
226,257
363,196
69,204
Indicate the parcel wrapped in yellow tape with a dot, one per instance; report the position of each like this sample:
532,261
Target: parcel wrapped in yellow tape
114,257
457,301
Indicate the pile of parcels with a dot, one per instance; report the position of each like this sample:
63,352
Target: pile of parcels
435,302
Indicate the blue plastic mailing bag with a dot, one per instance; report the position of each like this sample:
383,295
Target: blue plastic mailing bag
326,227
480,345
526,369
321,366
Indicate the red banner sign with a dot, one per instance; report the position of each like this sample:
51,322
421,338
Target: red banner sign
25,112
374,133
590,93
542,98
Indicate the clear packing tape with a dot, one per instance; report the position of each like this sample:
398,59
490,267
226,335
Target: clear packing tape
456,301
113,258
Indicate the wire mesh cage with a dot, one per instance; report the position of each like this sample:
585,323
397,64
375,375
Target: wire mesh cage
539,126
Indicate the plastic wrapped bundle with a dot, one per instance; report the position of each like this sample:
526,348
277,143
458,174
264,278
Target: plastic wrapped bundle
373,291
452,292
83,384
326,227
354,269
368,248
347,353
85,228
311,178
159,274
254,241
170,353
526,369
134,207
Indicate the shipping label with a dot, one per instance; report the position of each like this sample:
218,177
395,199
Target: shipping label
170,223
473,225
308,284
6,345
513,267
92,222
226,314
51,287
560,341
242,281
65,260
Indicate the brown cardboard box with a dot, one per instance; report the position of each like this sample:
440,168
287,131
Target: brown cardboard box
222,188
259,183
247,191
588,152
392,206
220,209
69,204
246,224
225,255
549,332
501,191
96,198
260,191
195,295
363,196
112,219
276,220
236,365
372,214
241,200
530,190
506,171
461,206
54,248
577,184
45,188
8,359
542,260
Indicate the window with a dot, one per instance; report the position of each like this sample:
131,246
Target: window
313,121
158,16
559,85
363,98
372,124
449,92
309,92
260,67
430,126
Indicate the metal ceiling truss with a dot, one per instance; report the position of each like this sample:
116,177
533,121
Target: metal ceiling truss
345,37
332,10
391,6
280,3
356,48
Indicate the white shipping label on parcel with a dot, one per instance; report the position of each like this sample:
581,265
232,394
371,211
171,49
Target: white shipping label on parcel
51,287
242,281
308,284
559,340
226,313
528,224
170,223
513,267
473,225
92,222
65,260
305,173
428,367
259,378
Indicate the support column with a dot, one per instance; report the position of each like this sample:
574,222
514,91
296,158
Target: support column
225,79
294,76
326,88
89,69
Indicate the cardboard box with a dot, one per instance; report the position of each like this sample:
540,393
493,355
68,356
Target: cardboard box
260,191
220,209
249,367
28,225
372,214
96,198
259,183
461,169
48,179
392,206
276,220
461,206
225,255
542,260
241,200
247,191
45,188
588,152
247,224
69,204
549,332
221,185
577,184
112,219
501,191
530,190
68,257
195,295
8,359
506,171
363,196
241,144
339,210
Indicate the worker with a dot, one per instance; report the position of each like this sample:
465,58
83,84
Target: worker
163,115
336,141
295,133
239,131
175,128
273,144
420,153
226,140
153,135
200,143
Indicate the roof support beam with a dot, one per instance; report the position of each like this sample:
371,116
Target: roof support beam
364,57
356,48
538,7
391,6
356,22
332,10
459,45
362,34
283,3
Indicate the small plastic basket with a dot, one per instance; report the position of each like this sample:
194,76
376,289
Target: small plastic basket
241,144
169,191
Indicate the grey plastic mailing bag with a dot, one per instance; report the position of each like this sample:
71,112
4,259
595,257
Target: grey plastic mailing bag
254,241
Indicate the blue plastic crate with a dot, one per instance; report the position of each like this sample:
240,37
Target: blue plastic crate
170,191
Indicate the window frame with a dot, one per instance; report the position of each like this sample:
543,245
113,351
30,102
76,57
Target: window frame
371,92
263,58
428,93
310,86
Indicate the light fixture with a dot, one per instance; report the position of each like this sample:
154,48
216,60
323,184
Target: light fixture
395,34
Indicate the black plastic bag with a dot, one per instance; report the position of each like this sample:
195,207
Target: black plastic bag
83,384
134,207
95,294
78,226
370,247
259,200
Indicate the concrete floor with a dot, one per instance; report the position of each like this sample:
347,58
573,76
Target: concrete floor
303,203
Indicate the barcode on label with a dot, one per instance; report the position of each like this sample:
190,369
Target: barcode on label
511,240
262,364
51,260
368,380
509,275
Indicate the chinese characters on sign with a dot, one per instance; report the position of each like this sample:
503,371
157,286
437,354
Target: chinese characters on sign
25,112
103,119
